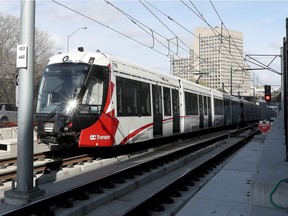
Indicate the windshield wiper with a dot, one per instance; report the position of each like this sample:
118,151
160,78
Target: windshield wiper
52,113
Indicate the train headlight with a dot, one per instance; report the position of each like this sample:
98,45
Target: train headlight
71,106
67,127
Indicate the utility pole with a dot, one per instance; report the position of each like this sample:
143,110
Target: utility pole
231,81
285,88
254,99
23,190
171,64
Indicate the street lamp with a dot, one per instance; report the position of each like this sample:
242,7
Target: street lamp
71,35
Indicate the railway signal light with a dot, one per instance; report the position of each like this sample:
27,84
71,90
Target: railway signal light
267,91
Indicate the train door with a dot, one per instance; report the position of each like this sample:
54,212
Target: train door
205,110
201,113
242,111
209,112
157,110
176,111
227,114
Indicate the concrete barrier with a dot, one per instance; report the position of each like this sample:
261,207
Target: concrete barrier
8,142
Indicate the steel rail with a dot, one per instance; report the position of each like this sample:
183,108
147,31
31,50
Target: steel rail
66,198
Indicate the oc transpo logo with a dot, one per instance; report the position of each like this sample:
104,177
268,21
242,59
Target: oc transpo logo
99,137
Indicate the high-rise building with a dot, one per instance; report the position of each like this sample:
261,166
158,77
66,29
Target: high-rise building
217,61
183,67
220,59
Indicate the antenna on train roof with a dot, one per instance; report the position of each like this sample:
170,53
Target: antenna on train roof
80,49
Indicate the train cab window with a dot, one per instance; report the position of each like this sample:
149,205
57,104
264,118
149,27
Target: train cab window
94,92
60,84
96,89
167,101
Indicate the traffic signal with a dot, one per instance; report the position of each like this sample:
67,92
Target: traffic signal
267,90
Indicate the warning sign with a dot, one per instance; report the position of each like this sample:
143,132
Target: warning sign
264,126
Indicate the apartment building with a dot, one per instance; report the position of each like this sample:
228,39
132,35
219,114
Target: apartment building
217,60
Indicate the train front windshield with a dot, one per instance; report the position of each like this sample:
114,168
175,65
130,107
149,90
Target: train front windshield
60,84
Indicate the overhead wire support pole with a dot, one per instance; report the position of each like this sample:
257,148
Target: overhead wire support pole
231,83
23,190
285,82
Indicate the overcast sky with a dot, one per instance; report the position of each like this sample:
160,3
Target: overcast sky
143,33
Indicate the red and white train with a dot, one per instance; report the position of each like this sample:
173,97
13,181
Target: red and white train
93,99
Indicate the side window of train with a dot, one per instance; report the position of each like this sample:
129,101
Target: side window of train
218,106
145,104
133,97
191,103
120,95
227,106
167,101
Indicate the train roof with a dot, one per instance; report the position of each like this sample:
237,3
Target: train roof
120,65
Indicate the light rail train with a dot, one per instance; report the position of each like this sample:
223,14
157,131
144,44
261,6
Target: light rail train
92,99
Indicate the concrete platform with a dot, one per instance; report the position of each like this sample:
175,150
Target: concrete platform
9,142
244,185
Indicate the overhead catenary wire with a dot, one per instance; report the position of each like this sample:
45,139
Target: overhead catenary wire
182,26
169,40
220,33
135,21
231,57
198,14
176,40
260,64
107,26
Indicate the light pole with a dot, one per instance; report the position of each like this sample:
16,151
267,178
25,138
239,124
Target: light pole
71,35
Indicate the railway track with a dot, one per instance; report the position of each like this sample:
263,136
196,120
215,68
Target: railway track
42,164
142,186
49,161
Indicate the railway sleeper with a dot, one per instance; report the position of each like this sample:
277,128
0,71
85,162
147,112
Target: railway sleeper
120,191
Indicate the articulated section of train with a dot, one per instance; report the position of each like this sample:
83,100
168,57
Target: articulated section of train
98,100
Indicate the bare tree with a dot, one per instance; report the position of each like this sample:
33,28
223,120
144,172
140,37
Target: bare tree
42,53
9,38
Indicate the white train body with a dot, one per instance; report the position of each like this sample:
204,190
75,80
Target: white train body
116,102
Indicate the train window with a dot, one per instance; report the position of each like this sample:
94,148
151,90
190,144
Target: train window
96,89
227,106
94,92
145,105
191,103
218,106
131,94
167,101
133,98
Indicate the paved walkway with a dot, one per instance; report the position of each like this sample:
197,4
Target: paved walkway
238,190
